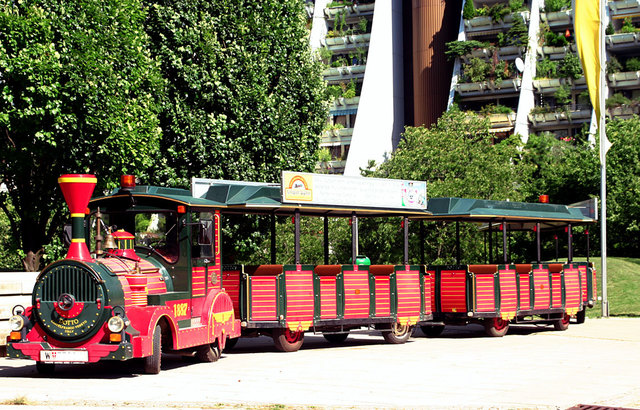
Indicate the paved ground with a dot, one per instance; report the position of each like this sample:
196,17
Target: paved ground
594,363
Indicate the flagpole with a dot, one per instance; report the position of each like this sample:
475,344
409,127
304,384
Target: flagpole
603,164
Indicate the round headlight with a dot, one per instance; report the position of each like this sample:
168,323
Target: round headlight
16,323
115,324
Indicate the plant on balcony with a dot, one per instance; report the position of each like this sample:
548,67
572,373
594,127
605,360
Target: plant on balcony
570,67
495,109
477,70
613,65
363,25
627,26
468,12
350,90
552,39
333,92
617,100
517,35
459,48
541,109
632,64
556,5
546,68
340,62
497,12
563,95
610,30
325,54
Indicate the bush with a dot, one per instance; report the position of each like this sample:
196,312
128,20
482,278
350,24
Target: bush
547,68
477,70
556,5
609,30
552,39
633,64
616,100
563,95
627,26
613,65
570,67
459,48
518,34
469,11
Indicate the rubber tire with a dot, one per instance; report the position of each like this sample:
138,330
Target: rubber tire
287,341
581,316
208,353
562,324
432,331
398,335
496,327
336,337
230,344
45,368
153,363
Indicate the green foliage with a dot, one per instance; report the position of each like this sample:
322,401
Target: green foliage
477,70
623,186
9,257
617,100
546,68
552,39
609,30
613,65
242,89
71,101
556,5
495,109
498,12
570,67
627,26
468,12
517,35
350,90
459,48
563,95
632,64
516,5
325,54
363,25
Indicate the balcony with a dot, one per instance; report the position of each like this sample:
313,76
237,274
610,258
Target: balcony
624,8
488,89
558,19
336,74
504,53
624,112
622,41
624,80
548,86
562,117
335,137
502,122
342,103
354,10
556,53
338,45
484,25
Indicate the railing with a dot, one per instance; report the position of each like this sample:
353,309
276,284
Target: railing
483,24
557,19
626,79
624,8
489,87
551,85
567,114
355,9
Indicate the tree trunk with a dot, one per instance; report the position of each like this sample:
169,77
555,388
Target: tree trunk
31,262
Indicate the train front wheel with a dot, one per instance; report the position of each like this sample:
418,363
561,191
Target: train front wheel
152,363
399,334
287,341
496,326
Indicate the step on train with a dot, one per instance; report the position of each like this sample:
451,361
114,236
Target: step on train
154,281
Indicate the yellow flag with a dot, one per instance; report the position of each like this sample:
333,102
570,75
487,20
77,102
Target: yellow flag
587,30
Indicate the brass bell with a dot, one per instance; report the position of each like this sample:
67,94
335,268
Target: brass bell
109,242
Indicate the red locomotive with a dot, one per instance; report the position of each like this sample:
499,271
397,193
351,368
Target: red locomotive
156,283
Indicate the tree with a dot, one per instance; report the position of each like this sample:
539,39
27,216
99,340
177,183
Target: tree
77,95
623,186
244,99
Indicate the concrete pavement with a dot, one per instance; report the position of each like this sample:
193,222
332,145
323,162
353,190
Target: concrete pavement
531,367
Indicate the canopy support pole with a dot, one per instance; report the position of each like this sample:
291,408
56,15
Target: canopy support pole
422,235
354,237
406,240
273,238
490,242
326,240
570,244
296,222
458,242
538,245
504,243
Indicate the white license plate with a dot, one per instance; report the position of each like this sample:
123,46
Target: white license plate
64,356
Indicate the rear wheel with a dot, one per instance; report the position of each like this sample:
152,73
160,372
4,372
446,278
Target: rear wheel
562,324
432,330
496,326
287,341
152,363
208,353
45,368
581,316
336,337
399,334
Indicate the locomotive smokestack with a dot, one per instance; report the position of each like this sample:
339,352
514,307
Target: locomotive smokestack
77,190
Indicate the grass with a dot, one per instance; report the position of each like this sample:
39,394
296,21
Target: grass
623,286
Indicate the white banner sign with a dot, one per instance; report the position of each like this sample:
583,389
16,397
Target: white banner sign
337,190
